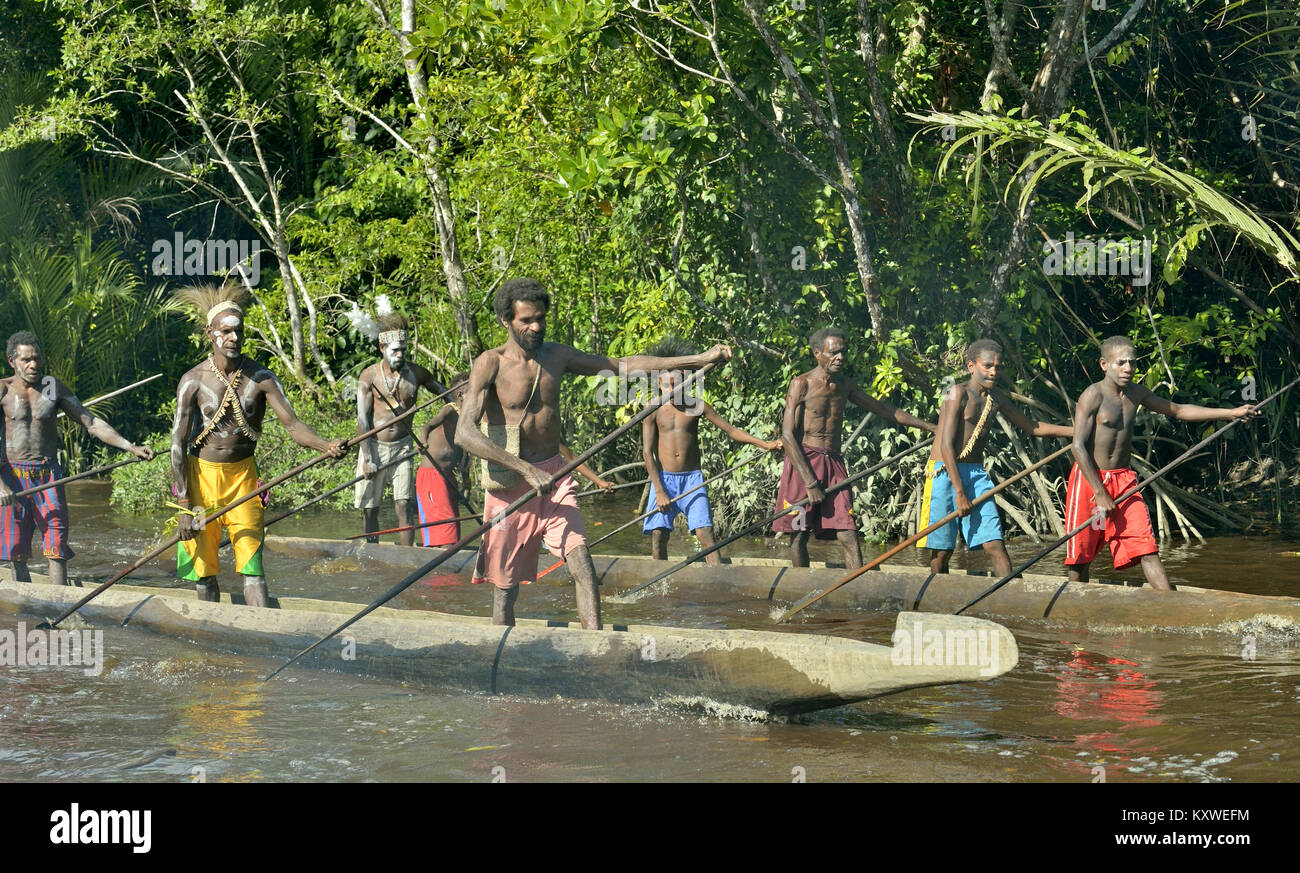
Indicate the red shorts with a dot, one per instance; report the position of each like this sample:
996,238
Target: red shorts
511,547
1127,530
435,499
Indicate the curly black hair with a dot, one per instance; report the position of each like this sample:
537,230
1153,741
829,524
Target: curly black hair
22,338
524,290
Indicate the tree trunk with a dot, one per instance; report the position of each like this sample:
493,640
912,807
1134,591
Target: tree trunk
444,215
292,304
1046,99
899,179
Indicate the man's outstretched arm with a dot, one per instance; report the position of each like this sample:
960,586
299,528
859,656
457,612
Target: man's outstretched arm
96,426
886,411
1190,411
299,431
1030,426
585,364
737,434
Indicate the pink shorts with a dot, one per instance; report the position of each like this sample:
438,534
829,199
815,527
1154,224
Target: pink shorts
510,548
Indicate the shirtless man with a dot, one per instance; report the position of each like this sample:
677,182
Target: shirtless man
435,496
964,422
518,385
31,403
1103,445
811,433
384,391
220,405
670,446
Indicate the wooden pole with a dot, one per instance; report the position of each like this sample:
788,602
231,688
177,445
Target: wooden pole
101,398
348,443
520,501
66,479
916,537
379,533
740,533
651,512
1125,496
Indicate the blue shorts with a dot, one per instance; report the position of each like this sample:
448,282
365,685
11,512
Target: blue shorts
695,505
978,528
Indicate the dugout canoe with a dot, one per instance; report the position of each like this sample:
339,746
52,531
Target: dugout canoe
1104,607
728,672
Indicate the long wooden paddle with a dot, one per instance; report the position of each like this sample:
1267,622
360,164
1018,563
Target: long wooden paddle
421,526
651,512
862,425
520,501
225,540
613,471
620,486
1125,496
812,598
101,398
839,486
208,519
66,479
449,479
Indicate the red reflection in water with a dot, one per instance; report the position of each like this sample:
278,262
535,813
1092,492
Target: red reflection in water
1090,688
441,580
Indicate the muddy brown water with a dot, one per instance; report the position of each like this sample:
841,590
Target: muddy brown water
1080,706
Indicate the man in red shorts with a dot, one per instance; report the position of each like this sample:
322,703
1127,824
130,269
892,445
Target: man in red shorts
515,390
810,433
1103,443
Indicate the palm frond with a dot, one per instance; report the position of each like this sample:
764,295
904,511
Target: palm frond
1069,144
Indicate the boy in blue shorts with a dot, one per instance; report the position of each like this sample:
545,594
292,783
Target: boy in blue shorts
964,422
671,447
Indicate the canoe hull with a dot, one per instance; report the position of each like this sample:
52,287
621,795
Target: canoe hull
730,672
1099,607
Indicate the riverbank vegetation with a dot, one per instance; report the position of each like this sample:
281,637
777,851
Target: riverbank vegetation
919,173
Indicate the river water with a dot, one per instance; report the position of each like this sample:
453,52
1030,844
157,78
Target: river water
1080,706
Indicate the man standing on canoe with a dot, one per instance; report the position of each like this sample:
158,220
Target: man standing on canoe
515,390
31,401
384,391
1103,446
670,445
964,421
811,434
220,405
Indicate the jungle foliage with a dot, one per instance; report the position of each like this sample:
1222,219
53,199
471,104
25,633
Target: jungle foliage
727,170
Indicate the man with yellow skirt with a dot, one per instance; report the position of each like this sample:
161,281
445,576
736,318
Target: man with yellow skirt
220,405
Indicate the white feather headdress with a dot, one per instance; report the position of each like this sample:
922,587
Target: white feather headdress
384,322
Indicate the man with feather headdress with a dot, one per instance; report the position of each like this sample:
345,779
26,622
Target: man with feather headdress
385,390
220,405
